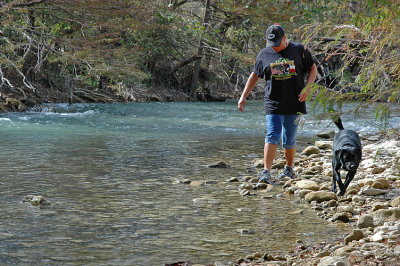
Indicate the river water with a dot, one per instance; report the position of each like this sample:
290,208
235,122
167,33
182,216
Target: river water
108,170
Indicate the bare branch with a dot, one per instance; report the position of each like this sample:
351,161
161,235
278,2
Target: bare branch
185,62
4,80
24,79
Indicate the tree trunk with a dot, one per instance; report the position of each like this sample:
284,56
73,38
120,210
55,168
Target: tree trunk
196,69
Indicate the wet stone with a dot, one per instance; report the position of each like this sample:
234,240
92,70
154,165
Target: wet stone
233,179
254,180
244,231
219,164
245,186
342,217
244,192
37,201
261,185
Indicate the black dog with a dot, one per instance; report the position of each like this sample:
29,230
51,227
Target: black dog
346,152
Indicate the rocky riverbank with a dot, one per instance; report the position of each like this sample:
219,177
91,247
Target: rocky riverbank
371,205
20,100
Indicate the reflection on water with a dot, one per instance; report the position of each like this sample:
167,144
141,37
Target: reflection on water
109,169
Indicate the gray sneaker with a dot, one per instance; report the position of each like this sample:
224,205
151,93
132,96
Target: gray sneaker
288,171
265,177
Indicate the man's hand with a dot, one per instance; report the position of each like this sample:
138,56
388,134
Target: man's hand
310,80
249,86
241,103
304,93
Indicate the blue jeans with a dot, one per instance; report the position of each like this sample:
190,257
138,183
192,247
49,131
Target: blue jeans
278,125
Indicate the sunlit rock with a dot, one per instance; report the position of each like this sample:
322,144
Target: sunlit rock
321,196
323,144
307,184
386,215
219,164
395,202
365,221
336,260
310,150
37,201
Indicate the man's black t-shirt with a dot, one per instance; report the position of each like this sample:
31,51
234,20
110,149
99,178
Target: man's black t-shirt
284,73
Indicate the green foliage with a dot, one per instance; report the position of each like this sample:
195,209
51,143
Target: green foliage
366,47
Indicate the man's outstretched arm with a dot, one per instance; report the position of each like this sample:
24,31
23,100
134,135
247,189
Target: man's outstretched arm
251,82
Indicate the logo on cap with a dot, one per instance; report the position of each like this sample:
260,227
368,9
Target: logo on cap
271,36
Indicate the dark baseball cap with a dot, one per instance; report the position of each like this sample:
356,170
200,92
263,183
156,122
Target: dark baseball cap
274,35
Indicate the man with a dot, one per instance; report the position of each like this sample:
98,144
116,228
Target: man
284,65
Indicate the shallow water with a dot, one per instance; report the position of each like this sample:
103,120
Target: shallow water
108,171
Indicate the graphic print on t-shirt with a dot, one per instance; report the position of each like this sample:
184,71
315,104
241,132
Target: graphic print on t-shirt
283,69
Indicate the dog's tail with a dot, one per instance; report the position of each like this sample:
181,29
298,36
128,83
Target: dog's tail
336,118
338,122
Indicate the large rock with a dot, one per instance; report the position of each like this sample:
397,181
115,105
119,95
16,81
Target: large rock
320,196
342,217
354,186
37,201
365,221
395,202
373,192
382,183
13,102
307,184
311,150
334,261
327,134
355,235
257,163
377,237
385,215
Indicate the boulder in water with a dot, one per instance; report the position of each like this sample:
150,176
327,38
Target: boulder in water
37,201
